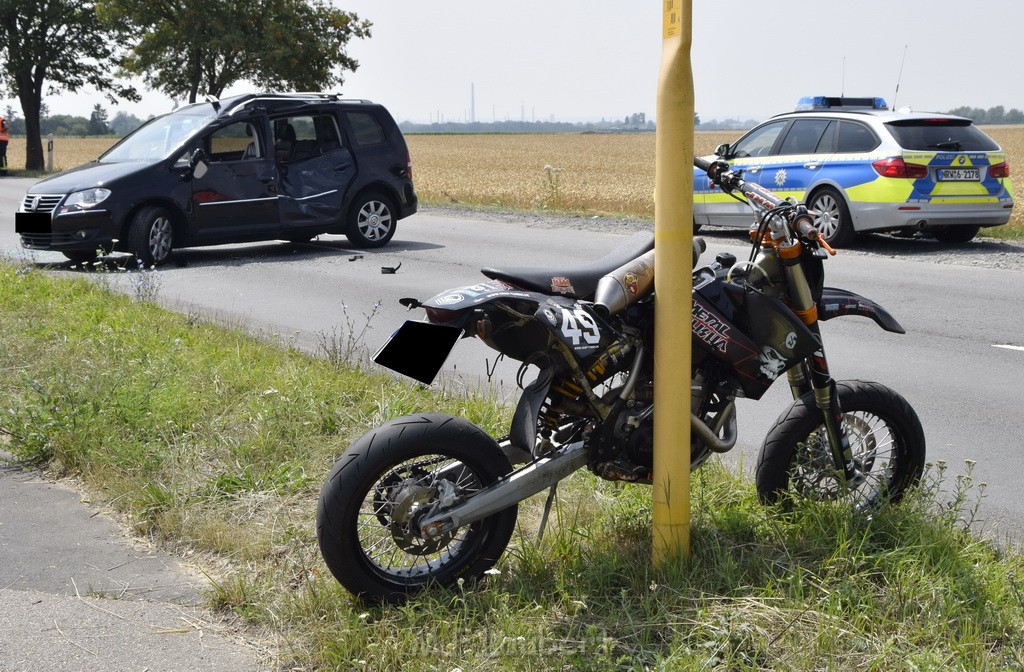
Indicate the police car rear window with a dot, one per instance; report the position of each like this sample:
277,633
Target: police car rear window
937,135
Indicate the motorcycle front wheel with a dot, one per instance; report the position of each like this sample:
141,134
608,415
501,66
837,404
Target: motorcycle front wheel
386,482
885,435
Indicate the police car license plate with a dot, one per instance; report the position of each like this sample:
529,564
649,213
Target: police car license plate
959,174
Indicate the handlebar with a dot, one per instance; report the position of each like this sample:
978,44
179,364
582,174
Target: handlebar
798,218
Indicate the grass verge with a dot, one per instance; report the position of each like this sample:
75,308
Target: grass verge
214,441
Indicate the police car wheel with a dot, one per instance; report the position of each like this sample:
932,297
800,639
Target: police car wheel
833,217
956,234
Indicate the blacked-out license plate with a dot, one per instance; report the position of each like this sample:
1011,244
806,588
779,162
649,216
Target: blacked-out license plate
418,349
32,222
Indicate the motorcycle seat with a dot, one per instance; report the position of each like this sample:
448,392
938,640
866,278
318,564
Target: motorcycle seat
578,282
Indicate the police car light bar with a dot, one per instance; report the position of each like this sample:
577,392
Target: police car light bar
838,103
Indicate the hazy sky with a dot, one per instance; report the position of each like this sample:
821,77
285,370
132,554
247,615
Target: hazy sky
578,60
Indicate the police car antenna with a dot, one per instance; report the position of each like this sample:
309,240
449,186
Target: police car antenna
900,76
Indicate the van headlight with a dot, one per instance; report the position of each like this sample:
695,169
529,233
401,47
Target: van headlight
87,198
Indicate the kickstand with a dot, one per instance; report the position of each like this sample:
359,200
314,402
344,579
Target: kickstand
547,510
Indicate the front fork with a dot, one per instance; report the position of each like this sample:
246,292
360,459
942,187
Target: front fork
813,374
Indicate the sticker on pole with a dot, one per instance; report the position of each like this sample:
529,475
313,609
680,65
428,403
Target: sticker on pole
672,25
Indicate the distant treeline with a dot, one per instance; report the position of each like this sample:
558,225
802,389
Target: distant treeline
994,115
602,126
66,124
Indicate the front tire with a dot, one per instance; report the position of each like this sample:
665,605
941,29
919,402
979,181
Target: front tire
371,221
151,235
885,435
833,217
388,480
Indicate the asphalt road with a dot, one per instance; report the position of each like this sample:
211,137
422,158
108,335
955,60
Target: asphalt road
960,363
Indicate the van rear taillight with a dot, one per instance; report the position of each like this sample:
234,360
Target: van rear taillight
408,165
999,170
897,167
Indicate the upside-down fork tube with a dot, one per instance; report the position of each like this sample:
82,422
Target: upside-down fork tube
804,306
832,414
508,491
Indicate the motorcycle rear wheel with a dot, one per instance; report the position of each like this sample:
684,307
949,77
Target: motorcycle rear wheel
389,479
884,432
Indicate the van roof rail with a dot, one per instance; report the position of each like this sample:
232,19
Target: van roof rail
238,102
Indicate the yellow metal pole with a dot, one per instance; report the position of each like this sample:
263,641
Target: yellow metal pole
673,236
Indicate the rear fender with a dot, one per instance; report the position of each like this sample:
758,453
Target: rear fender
462,299
839,302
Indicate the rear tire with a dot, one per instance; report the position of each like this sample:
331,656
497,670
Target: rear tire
956,234
371,221
885,435
833,217
388,480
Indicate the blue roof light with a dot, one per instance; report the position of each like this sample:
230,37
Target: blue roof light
838,103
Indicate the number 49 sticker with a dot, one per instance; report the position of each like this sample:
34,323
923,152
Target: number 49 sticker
580,329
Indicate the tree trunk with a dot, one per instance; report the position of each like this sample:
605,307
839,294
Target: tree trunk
31,103
195,75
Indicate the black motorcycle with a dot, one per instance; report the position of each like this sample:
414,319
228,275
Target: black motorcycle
432,498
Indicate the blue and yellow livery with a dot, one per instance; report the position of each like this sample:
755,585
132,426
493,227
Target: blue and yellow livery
863,167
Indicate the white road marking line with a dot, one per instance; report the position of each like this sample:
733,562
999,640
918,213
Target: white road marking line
1009,347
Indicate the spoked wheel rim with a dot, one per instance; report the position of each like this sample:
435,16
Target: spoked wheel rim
374,220
828,218
876,450
387,527
161,236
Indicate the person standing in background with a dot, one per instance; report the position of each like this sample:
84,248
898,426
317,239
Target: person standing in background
5,136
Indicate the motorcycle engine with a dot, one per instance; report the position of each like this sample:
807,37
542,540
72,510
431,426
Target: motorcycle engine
640,441
623,446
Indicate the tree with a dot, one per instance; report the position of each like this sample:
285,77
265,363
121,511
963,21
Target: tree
49,46
191,48
124,123
98,121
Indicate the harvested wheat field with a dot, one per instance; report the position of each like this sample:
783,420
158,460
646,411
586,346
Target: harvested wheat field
587,172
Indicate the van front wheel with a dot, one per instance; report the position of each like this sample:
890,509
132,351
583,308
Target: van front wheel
151,236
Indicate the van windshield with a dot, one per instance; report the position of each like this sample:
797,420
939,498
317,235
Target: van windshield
157,139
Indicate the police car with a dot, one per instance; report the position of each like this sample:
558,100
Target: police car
863,167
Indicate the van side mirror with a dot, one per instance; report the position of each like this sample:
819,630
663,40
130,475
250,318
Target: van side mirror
198,163
723,150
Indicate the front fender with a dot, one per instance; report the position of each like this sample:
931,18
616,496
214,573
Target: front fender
839,302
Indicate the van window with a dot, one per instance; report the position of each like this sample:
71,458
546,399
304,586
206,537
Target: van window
234,142
305,136
366,129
